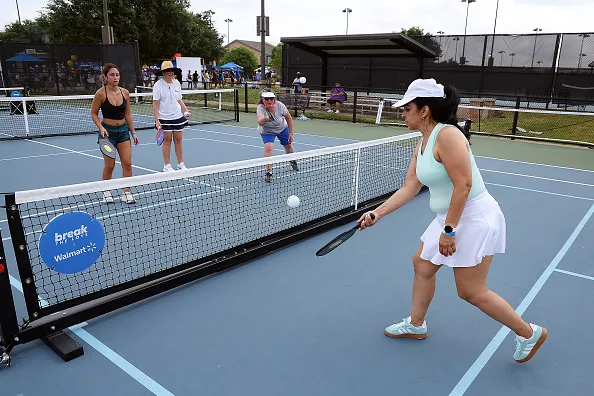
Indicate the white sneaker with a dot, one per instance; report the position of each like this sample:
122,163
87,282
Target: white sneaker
181,166
107,197
128,197
337,111
329,111
168,168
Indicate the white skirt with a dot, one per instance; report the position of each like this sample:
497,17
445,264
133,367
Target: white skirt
480,233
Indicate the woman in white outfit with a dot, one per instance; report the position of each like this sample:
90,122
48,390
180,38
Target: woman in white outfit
469,227
167,108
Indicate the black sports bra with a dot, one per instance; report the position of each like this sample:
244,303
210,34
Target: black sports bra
113,112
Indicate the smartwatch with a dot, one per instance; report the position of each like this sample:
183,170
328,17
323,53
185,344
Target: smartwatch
449,230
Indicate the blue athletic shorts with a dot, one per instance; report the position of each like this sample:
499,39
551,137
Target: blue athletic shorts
283,137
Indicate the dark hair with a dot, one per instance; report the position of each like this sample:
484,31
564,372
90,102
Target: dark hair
107,67
443,110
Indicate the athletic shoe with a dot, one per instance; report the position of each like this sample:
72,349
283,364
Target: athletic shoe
337,112
527,347
107,197
168,168
330,111
294,165
405,329
128,197
181,166
268,177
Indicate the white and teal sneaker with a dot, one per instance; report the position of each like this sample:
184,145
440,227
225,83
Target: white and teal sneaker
527,347
405,329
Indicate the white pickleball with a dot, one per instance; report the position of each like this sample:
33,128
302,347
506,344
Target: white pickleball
293,201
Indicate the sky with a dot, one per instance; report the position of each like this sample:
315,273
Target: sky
325,17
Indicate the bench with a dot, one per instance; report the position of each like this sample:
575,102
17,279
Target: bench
295,101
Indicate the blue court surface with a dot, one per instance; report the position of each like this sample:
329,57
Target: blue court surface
290,323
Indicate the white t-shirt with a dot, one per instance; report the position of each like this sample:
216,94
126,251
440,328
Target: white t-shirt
168,96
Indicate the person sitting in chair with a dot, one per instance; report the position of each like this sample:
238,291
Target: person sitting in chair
337,97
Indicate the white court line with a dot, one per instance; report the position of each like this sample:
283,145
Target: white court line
478,365
109,353
574,274
534,163
300,133
536,177
539,191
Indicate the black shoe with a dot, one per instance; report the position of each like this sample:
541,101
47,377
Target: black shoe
268,177
294,165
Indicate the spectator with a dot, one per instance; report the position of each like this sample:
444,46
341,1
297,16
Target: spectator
297,84
195,79
337,97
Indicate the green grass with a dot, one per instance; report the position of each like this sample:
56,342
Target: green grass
552,126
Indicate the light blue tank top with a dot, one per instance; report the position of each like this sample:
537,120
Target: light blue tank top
433,175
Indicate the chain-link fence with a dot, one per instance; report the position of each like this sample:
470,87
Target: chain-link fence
544,70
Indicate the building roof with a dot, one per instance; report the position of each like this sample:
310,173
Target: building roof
365,45
254,44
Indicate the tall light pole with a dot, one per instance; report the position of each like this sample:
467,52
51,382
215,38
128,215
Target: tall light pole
580,61
501,60
463,58
347,11
534,50
440,32
494,26
106,29
263,29
18,12
512,58
228,20
583,36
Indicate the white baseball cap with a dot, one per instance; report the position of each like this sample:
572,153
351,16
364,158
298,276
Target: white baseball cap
420,88
268,94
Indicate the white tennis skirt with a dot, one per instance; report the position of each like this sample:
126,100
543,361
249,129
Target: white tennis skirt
480,233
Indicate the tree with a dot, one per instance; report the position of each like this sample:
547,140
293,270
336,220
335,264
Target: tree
162,27
27,32
276,60
243,57
426,39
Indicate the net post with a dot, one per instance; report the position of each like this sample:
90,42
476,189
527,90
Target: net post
19,243
355,105
236,104
220,101
380,108
27,130
245,91
9,328
516,114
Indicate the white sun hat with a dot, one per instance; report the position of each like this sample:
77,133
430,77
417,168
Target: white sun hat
420,88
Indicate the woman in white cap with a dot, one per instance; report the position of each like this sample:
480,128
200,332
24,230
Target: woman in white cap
170,114
274,121
469,227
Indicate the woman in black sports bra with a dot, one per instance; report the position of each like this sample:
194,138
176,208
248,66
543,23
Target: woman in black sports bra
117,125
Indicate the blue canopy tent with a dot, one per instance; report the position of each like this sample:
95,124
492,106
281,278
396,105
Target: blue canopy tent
24,58
231,65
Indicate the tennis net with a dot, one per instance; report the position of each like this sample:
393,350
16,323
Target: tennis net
194,221
43,116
